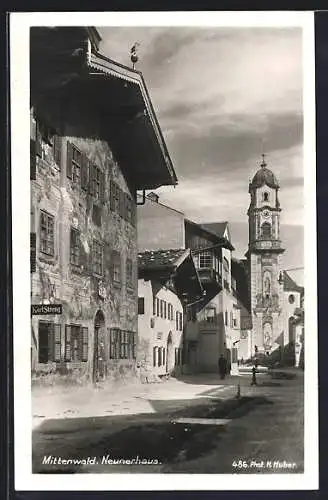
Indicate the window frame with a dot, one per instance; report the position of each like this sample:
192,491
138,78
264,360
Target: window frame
97,251
75,245
49,242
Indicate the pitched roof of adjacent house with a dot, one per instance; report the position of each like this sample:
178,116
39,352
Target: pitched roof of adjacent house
216,227
159,259
290,285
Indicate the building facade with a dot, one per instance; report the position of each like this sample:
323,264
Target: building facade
168,282
85,110
212,326
265,261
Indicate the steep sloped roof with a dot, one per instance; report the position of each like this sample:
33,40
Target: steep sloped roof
159,259
290,285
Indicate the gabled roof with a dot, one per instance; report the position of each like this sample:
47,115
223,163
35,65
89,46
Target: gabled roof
162,259
216,227
220,238
290,285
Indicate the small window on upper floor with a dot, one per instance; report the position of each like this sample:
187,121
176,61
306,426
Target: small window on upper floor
265,196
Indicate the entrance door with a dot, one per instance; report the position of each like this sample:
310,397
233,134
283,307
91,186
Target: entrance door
169,354
99,347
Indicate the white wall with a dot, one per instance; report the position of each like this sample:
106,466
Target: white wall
157,336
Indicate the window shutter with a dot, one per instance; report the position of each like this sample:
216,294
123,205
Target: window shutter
68,354
32,160
121,203
38,141
33,252
112,195
57,342
51,343
84,172
91,178
57,150
69,160
85,343
133,213
102,187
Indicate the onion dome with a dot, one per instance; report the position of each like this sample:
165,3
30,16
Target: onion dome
264,176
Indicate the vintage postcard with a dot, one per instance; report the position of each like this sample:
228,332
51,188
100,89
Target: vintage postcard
164,258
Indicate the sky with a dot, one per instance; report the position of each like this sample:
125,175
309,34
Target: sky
223,96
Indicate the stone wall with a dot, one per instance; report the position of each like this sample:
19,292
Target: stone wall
81,292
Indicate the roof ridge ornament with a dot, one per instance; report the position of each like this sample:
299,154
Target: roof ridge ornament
134,55
263,164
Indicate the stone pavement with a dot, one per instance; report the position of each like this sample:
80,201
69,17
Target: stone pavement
132,399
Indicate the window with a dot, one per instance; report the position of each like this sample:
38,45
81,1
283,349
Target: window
170,311
96,182
180,321
226,318
266,230
231,319
163,356
76,343
162,308
96,215
116,267
155,355
129,273
49,342
159,335
141,305
33,252
210,314
46,233
165,310
265,196
177,320
157,307
75,247
159,362
154,306
291,299
128,208
97,257
122,344
76,165
205,259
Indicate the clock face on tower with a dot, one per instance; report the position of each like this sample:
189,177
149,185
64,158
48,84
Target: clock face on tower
266,214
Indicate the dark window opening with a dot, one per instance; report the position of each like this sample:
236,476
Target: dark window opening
49,342
46,233
141,305
129,273
97,257
75,247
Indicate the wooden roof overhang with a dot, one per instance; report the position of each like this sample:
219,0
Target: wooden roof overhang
183,273
67,76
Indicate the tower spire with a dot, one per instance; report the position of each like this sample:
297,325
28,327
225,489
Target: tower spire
263,164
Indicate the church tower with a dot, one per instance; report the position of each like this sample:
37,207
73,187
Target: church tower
265,260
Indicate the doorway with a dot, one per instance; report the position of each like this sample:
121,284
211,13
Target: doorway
99,360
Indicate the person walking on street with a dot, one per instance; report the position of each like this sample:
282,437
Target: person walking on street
222,367
254,381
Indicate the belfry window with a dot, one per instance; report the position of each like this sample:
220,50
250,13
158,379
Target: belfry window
265,196
266,230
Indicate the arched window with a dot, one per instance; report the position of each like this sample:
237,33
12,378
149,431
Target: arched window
265,196
266,230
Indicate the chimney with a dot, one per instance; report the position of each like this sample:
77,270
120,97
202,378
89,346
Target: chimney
153,197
